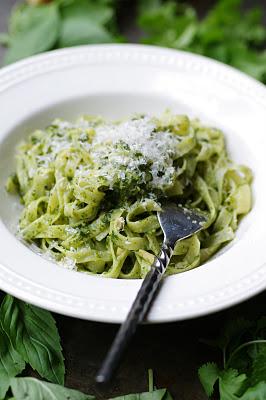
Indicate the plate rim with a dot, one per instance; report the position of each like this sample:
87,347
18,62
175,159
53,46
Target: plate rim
36,65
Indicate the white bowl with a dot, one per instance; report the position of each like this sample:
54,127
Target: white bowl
116,81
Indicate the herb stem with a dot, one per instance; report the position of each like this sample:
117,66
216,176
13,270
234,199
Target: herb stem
242,346
150,380
224,357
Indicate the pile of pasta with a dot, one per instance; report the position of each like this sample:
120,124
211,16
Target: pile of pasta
80,219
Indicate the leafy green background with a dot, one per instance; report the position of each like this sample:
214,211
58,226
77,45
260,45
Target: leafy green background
227,33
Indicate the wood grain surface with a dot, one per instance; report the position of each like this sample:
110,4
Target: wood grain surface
174,351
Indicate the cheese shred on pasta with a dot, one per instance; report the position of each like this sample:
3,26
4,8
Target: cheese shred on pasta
91,191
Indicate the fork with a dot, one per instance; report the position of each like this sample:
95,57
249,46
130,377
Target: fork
177,223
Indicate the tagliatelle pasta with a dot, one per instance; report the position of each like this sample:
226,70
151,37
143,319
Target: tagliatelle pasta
91,191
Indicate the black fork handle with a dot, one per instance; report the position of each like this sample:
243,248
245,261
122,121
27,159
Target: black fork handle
135,316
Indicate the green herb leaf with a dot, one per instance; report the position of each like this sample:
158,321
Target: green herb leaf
33,29
257,392
161,394
259,367
250,62
11,363
152,394
231,334
169,24
226,33
233,331
30,388
243,343
230,384
34,335
84,22
4,39
208,375
261,325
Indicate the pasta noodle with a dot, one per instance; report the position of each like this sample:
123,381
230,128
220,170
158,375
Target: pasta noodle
91,191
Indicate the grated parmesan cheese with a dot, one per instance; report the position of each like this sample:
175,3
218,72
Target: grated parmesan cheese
119,150
145,145
68,263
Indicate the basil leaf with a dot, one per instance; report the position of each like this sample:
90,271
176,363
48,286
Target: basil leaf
98,12
84,22
21,18
161,394
33,29
11,363
34,335
31,388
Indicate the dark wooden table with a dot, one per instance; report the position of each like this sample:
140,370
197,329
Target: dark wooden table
173,351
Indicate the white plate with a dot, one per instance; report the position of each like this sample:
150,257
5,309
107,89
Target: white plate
116,81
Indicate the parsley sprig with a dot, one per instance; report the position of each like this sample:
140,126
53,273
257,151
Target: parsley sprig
227,33
243,372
